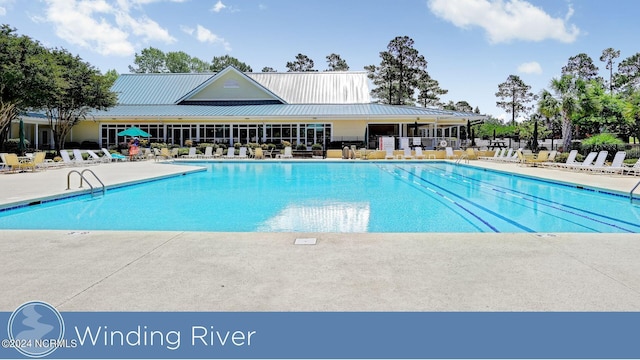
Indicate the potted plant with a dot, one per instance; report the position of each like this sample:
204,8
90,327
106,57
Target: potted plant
317,149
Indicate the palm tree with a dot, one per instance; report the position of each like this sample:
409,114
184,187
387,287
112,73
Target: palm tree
549,108
567,89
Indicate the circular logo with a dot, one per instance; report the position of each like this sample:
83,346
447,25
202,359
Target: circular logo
36,328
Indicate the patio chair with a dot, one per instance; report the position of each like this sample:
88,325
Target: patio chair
11,163
258,154
231,153
407,153
192,153
208,153
97,158
219,152
587,161
288,153
571,160
617,165
419,153
243,152
66,158
389,154
635,169
77,157
449,154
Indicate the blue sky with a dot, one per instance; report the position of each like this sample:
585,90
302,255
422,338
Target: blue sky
471,45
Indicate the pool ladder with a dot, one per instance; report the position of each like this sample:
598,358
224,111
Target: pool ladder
463,157
632,190
83,178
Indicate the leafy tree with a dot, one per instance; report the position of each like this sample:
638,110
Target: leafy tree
219,63
383,78
526,131
22,71
515,95
178,62
567,89
268,69
302,63
336,63
73,89
111,76
429,91
631,112
628,77
464,106
399,72
608,55
581,66
197,65
549,107
150,60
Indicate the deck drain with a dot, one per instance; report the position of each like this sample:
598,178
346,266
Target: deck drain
305,241
545,235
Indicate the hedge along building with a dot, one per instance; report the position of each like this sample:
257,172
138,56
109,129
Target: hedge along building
234,107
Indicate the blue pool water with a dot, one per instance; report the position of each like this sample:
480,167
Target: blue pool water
338,197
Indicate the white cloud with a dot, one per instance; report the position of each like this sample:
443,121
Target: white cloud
3,7
218,6
506,20
187,29
103,26
205,35
530,68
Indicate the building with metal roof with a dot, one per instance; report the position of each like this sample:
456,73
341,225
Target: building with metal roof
235,107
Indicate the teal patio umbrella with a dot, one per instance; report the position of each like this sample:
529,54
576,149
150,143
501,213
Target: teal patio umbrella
21,143
134,131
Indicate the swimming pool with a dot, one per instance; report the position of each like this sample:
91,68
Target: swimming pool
338,197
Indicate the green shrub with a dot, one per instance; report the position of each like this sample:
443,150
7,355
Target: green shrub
316,147
603,142
11,145
301,147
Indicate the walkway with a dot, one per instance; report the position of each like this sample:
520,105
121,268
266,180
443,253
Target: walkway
181,271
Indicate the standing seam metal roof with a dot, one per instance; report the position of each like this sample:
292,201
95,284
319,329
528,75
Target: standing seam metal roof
301,110
294,88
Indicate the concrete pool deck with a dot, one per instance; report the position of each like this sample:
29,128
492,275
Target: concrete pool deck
195,271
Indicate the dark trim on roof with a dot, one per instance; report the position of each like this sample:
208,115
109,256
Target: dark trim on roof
230,102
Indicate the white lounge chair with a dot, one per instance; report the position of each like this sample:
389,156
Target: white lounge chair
77,157
208,153
617,165
598,164
495,156
449,153
192,153
288,153
635,169
219,152
107,154
407,153
419,153
231,152
587,161
389,154
97,158
243,152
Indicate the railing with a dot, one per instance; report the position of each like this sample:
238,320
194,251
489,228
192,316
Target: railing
632,190
83,178
463,157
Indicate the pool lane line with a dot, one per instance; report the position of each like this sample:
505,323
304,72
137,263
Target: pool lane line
558,206
422,189
553,205
524,228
